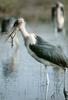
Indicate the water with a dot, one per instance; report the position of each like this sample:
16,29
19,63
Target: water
27,81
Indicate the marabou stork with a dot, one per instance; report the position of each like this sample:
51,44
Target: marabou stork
58,15
6,25
41,50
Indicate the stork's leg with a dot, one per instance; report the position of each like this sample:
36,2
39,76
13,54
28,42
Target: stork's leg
47,83
64,91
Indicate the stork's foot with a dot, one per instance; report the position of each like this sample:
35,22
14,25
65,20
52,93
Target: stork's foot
65,94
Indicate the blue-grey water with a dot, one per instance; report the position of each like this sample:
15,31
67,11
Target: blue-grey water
27,81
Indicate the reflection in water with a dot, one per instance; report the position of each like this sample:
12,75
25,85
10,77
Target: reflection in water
8,67
43,82
57,82
10,63
1,96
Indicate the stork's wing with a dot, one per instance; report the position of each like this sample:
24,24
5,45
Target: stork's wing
49,52
53,10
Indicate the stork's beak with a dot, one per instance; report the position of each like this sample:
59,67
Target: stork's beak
13,31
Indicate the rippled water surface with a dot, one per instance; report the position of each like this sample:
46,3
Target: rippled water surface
27,80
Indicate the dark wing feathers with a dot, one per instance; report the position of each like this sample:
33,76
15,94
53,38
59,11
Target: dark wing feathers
53,10
49,52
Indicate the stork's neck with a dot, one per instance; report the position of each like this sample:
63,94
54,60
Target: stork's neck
59,12
28,38
24,32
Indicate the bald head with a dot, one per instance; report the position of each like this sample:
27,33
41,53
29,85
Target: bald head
20,21
59,4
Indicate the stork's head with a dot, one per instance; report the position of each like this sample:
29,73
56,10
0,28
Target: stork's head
59,5
19,23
